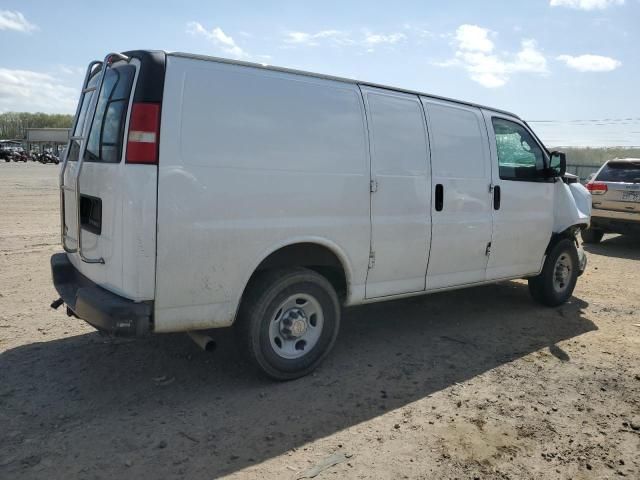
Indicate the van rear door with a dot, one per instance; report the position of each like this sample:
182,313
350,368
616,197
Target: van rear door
116,193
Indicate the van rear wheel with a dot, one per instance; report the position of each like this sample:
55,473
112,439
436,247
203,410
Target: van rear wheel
555,284
288,322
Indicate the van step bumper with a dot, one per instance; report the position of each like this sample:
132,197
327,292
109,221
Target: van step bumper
102,309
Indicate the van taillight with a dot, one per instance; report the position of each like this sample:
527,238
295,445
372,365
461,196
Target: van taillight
597,188
144,133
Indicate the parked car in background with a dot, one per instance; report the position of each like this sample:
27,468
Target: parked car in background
615,193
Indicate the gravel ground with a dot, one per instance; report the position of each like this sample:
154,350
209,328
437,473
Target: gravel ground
478,383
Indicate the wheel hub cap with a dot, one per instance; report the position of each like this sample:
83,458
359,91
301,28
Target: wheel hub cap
296,326
562,273
294,323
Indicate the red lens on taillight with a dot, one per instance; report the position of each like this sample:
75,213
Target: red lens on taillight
144,133
597,188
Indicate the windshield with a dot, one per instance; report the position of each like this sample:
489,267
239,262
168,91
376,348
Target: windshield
105,139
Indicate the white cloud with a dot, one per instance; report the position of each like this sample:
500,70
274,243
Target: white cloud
373,39
15,21
340,38
419,31
336,37
475,52
529,59
586,4
473,38
25,90
220,39
590,63
72,70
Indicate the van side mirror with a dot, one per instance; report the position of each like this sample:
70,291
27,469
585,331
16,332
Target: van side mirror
557,164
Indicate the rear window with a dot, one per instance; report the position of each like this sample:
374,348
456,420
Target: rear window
105,139
628,172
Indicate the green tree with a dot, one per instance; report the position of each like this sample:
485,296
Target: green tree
13,125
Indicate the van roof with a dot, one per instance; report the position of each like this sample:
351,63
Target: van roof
331,77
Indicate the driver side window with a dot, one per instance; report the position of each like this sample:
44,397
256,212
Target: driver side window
519,156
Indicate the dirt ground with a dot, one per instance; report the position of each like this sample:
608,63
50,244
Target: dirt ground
479,383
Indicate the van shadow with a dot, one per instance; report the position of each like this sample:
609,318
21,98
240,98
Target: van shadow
618,246
159,407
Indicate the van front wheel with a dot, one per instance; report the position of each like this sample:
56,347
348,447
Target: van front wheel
288,322
555,284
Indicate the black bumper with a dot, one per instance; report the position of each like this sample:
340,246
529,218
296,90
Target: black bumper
613,225
101,308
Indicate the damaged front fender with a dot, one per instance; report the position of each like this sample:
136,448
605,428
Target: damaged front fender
572,206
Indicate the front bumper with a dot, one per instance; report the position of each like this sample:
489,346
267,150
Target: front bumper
101,308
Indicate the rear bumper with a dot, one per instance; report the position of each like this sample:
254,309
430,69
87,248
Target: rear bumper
616,222
101,308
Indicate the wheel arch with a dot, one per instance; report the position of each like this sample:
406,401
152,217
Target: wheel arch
319,254
568,233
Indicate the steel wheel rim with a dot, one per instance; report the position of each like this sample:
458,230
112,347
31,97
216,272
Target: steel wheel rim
562,272
296,326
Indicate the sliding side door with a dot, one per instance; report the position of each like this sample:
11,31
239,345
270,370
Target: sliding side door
461,214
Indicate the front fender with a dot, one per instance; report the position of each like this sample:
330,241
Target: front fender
571,206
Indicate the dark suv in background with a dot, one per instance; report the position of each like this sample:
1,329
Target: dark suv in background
615,193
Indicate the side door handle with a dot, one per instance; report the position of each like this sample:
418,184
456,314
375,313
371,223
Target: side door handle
496,197
439,197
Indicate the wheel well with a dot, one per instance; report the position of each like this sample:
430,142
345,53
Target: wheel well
312,256
570,233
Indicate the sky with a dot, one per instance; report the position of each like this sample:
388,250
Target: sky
570,67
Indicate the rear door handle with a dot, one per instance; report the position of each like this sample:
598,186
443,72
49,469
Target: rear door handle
496,197
439,197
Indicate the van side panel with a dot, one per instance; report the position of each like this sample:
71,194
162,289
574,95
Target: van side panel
252,160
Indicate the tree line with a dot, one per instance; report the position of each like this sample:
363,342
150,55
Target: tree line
13,125
597,156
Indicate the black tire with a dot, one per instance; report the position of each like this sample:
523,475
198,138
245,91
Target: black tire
553,287
591,235
261,313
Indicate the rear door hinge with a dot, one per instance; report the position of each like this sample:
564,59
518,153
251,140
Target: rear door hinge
491,188
372,260
373,186
487,252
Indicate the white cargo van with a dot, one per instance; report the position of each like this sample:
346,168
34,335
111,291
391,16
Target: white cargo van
201,192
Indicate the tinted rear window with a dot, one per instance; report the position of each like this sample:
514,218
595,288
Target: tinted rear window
628,172
105,139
